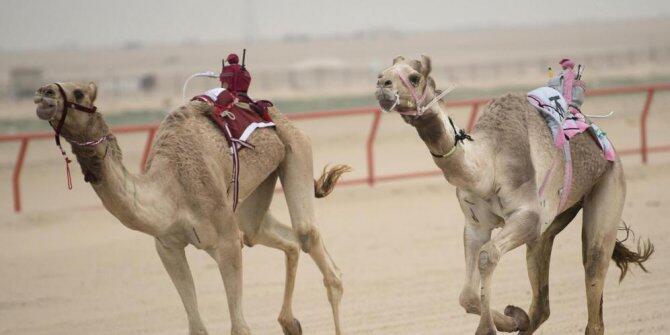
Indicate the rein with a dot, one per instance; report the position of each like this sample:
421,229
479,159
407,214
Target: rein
66,105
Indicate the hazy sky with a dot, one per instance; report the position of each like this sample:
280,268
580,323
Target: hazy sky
43,24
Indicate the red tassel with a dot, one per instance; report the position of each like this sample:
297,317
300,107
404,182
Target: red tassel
67,173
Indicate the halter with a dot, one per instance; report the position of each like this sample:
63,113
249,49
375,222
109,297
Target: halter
459,135
418,100
66,105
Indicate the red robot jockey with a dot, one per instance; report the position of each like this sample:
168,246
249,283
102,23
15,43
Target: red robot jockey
234,112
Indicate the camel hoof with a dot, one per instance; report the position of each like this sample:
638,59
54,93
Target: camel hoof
520,317
486,328
293,329
489,331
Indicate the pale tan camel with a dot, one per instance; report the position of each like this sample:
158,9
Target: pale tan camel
497,176
184,198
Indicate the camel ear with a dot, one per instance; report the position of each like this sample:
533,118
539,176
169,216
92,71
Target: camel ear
398,59
92,91
426,65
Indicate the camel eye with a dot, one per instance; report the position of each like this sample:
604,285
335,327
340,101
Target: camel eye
78,94
415,79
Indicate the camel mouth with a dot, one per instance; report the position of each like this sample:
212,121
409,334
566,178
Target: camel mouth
390,102
387,99
46,107
386,104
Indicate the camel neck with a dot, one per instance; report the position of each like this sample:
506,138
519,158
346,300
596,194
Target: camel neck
436,132
130,198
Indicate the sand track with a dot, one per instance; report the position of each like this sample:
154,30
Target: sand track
68,267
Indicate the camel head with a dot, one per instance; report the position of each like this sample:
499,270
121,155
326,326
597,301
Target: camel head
405,84
50,103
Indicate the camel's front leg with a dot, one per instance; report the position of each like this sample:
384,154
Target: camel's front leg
474,238
475,235
520,227
174,260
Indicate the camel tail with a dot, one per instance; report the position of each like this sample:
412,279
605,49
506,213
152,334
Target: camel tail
326,183
623,256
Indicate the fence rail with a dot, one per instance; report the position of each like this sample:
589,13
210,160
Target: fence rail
372,177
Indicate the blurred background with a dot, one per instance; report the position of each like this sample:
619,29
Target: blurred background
67,266
316,54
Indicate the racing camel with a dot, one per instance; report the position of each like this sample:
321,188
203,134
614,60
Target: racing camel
498,171
184,196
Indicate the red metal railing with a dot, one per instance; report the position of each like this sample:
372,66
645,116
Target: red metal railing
371,178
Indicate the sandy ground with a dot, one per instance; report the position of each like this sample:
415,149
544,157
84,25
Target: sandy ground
68,266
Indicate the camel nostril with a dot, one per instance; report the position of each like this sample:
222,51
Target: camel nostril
388,83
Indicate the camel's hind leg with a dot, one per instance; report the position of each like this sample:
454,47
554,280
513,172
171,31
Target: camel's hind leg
538,256
602,215
260,227
274,234
296,174
227,253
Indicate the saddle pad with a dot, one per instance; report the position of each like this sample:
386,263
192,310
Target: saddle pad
566,123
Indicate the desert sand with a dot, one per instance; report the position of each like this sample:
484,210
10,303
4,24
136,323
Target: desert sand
69,267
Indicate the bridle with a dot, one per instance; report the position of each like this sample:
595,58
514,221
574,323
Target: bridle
59,127
459,135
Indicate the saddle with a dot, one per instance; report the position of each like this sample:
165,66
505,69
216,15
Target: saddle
565,121
237,116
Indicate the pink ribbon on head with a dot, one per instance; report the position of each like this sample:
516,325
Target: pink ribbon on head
418,101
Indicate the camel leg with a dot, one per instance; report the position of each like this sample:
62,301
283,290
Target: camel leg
297,179
228,255
537,262
474,237
174,260
260,227
602,215
274,234
520,227
538,256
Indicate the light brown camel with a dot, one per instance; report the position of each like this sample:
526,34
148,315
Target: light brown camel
183,197
496,175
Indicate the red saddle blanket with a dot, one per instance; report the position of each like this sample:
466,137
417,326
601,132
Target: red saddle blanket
237,115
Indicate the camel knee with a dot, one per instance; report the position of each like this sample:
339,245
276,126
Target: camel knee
489,255
292,252
469,300
308,238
